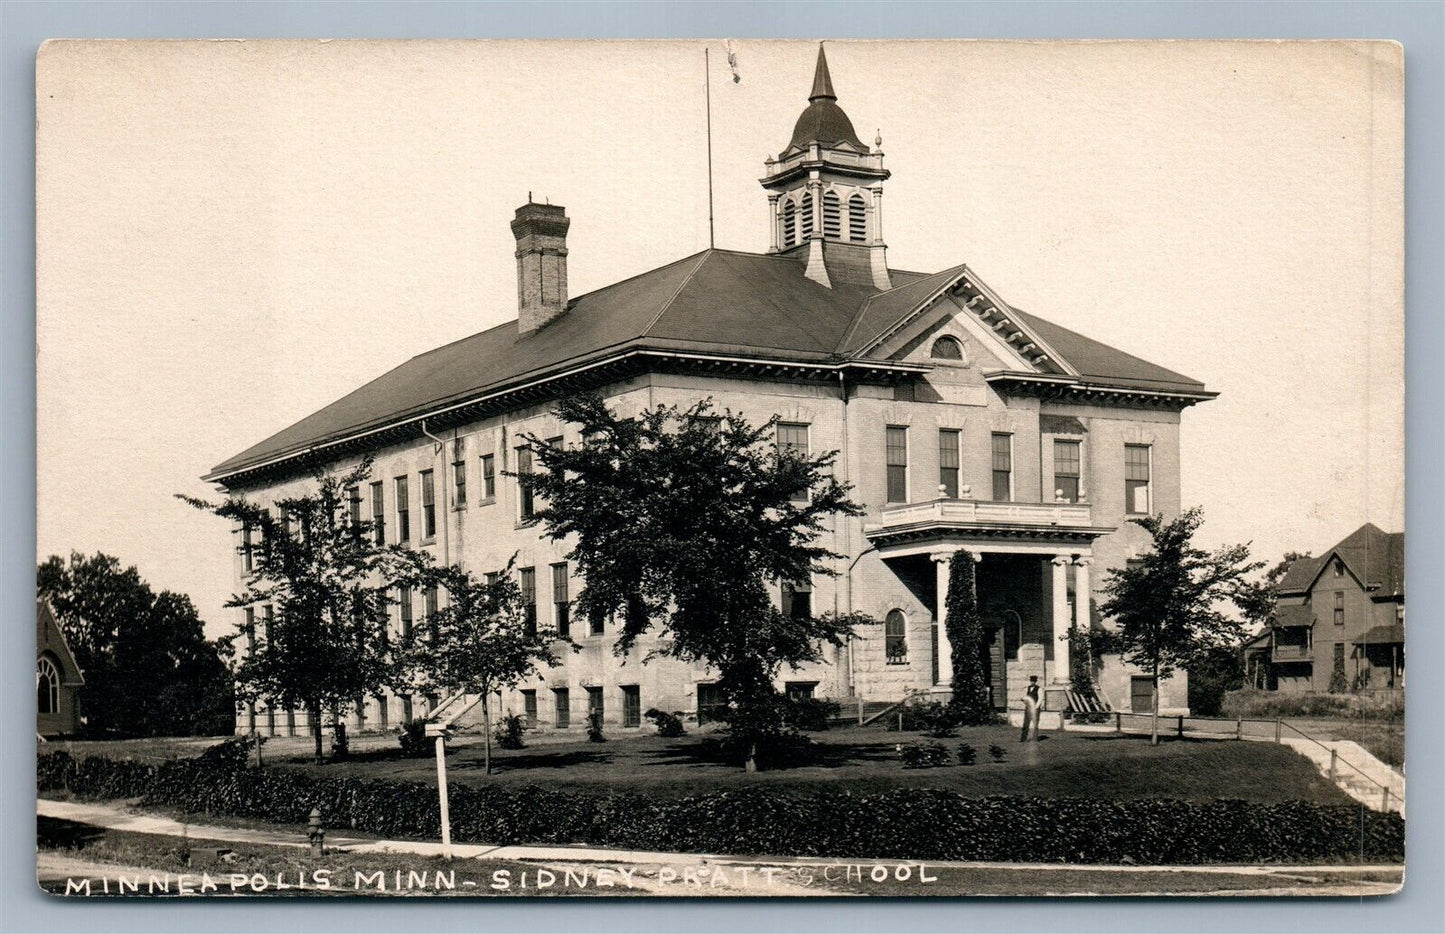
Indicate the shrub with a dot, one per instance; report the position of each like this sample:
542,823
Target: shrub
234,752
996,752
668,724
509,732
413,739
594,727
921,755
1247,703
812,713
967,755
932,717
906,823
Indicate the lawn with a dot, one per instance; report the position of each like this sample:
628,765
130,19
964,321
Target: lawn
864,760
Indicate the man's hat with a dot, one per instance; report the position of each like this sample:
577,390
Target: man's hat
1033,677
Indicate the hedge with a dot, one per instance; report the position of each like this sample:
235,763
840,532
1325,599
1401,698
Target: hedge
912,823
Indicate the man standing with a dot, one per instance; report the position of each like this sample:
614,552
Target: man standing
1033,699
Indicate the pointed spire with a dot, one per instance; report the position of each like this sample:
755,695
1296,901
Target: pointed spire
822,81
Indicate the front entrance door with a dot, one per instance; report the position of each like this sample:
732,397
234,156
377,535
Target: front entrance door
1141,694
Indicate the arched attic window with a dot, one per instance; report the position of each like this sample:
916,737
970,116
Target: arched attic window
47,685
857,219
807,219
832,216
790,223
947,348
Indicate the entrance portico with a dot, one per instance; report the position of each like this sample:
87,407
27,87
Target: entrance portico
1018,598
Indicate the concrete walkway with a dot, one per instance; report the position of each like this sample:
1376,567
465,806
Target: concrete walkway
1354,760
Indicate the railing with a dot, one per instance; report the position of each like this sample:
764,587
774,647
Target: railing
1290,653
977,512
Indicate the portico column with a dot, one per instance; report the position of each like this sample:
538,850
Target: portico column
1081,594
1061,619
945,650
774,221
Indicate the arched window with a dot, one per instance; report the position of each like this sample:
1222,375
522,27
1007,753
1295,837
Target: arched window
790,224
807,219
895,637
832,216
947,348
857,218
47,685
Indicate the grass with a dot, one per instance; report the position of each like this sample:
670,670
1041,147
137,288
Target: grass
863,760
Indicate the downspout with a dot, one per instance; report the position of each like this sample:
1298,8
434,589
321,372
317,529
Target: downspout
847,530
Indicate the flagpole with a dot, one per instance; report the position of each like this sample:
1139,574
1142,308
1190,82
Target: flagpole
707,90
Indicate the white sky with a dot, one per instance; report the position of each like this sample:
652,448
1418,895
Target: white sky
234,234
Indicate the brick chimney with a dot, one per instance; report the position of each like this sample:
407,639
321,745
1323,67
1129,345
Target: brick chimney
541,232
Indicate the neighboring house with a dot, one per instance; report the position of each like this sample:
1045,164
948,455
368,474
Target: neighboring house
1343,611
57,678
965,426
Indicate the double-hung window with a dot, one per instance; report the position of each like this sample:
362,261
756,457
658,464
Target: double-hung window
459,481
378,512
793,441
527,580
428,507
1136,479
526,504
561,605
897,462
403,511
948,462
1003,467
798,599
404,603
489,476
1067,464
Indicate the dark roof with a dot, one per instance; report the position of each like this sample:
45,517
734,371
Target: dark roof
824,121
1094,360
1295,614
717,301
1375,557
1383,635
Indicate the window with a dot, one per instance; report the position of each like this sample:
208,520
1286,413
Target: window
268,613
1339,655
562,708
492,578
798,600
1003,467
248,550
805,222
857,219
948,461
47,685
403,511
1136,479
525,504
947,348
429,610
378,512
710,703
559,600
832,216
596,621
1066,469
428,507
1339,608
1339,568
403,599
595,704
353,507
897,459
895,638
529,707
790,224
459,482
793,441
489,476
250,630
405,708
800,690
528,581
631,705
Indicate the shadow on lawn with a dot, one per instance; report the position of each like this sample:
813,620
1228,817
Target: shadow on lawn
510,762
57,833
715,752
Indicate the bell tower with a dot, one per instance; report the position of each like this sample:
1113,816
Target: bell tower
825,194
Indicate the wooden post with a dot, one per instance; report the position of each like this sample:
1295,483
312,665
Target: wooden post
1118,721
442,794
860,711
1334,758
1239,728
1385,798
1181,726
900,721
1277,725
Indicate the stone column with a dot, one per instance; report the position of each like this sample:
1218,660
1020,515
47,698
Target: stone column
877,192
1061,619
1081,593
775,221
945,650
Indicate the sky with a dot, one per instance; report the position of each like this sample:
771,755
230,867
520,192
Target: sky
231,235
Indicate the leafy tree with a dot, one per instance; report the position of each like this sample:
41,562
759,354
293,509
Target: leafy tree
317,564
1167,604
480,642
683,519
1213,673
149,668
965,636
1258,599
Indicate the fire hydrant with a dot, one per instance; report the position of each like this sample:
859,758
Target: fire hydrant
314,832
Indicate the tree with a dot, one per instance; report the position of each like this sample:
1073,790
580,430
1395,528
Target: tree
480,642
1258,599
1167,604
318,567
684,519
149,668
965,636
